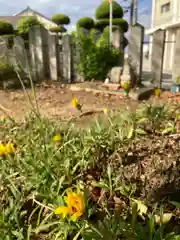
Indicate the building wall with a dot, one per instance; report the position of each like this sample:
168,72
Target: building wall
169,49
165,17
47,23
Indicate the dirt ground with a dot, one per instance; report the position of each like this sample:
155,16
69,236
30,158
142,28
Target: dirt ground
55,101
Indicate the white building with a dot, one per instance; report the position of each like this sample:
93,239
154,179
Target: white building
166,16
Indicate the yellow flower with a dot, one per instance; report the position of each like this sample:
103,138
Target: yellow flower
2,149
76,104
75,206
6,149
9,148
157,92
105,111
3,118
126,85
57,138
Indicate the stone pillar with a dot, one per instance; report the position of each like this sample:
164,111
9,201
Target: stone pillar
53,59
135,52
176,62
157,57
66,48
38,50
118,42
45,51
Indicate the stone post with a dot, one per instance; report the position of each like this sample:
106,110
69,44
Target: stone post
67,67
118,42
39,52
135,53
176,61
157,57
53,58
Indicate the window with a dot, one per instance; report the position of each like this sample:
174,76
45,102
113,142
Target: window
165,7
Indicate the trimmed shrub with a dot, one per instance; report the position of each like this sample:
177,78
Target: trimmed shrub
85,22
95,60
25,24
60,19
58,29
116,22
6,28
103,10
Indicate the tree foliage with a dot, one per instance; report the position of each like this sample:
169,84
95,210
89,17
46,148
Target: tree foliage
26,23
102,10
58,29
95,60
101,24
60,19
6,28
85,22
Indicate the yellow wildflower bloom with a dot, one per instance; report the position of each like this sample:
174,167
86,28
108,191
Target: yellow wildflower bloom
3,118
9,148
76,104
6,149
157,92
105,111
2,149
57,138
75,206
126,85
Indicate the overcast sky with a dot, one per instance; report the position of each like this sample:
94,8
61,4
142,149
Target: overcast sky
75,9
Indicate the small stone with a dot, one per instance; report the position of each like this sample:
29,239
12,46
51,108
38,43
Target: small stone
107,80
141,94
116,74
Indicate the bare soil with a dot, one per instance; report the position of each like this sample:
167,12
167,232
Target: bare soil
55,102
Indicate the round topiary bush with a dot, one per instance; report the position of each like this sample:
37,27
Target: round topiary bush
116,22
6,28
85,22
60,19
103,10
58,29
26,23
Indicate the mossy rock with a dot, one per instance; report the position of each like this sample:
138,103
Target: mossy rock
102,10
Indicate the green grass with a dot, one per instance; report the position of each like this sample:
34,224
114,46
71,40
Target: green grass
33,181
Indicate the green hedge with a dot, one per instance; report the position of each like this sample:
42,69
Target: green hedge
6,28
26,23
60,19
103,10
85,22
58,29
101,24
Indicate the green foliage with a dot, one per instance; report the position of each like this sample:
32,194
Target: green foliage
34,180
26,23
58,29
6,28
95,60
60,19
116,22
85,22
6,70
103,10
